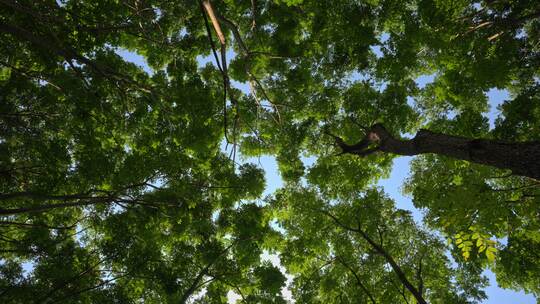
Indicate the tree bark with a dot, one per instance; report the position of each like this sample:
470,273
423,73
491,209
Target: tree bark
522,158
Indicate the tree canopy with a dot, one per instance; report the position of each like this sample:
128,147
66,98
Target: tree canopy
120,184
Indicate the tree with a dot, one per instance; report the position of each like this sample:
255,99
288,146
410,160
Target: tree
103,162
522,158
366,251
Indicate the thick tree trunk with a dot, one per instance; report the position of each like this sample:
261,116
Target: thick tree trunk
522,158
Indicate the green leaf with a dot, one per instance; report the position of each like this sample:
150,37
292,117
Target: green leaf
490,255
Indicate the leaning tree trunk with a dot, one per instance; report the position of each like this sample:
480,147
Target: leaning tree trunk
522,158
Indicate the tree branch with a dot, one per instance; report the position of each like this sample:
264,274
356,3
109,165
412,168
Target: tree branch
397,269
362,286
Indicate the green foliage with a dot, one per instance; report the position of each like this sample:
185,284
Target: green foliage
114,186
468,240
333,262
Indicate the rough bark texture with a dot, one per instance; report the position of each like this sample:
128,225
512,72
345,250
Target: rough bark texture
522,158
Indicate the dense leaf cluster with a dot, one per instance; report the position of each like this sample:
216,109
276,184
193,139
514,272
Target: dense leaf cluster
116,185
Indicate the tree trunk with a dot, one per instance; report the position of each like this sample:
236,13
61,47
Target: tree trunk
522,158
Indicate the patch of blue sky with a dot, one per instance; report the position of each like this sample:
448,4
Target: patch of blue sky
497,295
495,98
423,80
28,266
135,59
377,48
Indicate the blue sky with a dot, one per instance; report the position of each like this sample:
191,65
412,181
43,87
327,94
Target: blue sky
391,185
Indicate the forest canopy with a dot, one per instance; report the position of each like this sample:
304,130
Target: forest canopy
125,184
